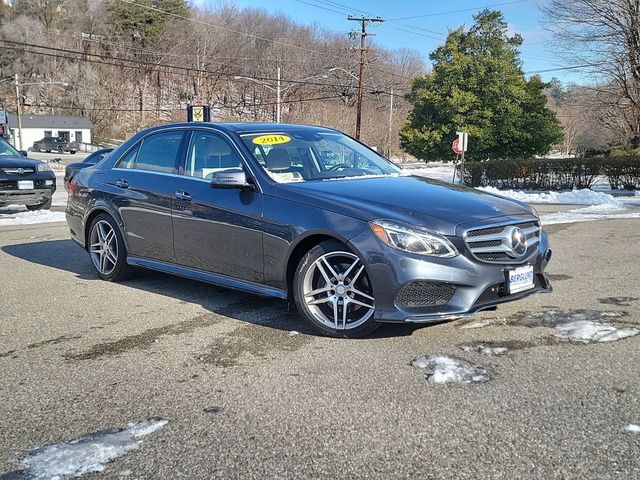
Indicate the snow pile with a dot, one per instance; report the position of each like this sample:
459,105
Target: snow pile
632,428
588,331
484,349
449,370
30,218
595,212
86,454
575,197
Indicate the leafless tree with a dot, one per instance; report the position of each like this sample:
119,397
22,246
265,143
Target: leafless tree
604,35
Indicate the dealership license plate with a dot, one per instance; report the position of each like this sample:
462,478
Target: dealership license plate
520,279
25,184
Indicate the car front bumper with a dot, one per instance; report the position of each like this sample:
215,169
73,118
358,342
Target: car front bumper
421,289
26,197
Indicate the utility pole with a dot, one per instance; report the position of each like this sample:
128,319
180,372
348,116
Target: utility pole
18,111
390,124
364,21
278,98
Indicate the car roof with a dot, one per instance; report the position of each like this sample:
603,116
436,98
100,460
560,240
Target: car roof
239,128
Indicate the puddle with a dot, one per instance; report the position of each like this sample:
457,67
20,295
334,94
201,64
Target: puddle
441,369
590,332
85,454
555,317
619,301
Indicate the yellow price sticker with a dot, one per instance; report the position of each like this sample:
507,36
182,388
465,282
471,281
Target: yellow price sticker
271,139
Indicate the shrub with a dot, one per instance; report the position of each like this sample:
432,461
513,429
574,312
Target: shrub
553,174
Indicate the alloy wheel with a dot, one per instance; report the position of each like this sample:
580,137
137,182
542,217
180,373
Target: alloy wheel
337,291
104,247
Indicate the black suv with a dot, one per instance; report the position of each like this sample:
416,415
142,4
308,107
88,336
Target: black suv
23,181
55,144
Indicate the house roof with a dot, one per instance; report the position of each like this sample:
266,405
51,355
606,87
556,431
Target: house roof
57,122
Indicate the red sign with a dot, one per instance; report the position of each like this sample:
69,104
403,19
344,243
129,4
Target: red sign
455,146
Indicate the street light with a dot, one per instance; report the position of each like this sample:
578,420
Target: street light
279,91
333,69
18,109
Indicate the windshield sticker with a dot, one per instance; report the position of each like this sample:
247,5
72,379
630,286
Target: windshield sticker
271,139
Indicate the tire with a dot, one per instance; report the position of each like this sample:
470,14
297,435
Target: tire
42,206
35,148
48,151
109,265
72,152
346,281
60,150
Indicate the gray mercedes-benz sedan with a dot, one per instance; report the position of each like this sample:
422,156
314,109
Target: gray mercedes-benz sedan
306,214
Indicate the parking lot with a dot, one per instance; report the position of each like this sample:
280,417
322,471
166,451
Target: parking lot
247,396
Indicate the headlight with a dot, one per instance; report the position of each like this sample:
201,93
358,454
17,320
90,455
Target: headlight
413,240
43,167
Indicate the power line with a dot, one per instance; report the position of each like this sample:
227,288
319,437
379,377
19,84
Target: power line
456,11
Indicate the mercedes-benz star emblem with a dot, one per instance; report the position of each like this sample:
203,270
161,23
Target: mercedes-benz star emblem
518,242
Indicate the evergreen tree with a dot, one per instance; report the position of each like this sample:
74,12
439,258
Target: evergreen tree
477,85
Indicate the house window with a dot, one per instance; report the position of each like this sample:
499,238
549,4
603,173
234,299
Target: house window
48,133
78,136
64,135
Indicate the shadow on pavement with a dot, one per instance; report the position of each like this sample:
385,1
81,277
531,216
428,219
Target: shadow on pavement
66,255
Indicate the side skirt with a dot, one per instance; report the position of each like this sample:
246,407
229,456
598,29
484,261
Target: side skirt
212,278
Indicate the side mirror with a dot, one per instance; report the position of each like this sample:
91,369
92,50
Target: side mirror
24,153
231,178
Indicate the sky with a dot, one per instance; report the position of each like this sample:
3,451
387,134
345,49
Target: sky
428,30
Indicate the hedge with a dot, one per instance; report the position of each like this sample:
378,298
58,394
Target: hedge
554,174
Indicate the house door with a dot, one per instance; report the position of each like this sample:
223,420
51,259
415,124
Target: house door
79,136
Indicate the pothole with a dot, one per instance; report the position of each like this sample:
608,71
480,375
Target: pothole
441,369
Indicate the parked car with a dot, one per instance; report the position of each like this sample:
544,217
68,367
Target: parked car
255,207
55,144
71,169
24,181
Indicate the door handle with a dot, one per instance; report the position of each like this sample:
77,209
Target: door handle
182,195
121,183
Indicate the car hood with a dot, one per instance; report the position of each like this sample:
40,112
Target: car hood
436,205
18,162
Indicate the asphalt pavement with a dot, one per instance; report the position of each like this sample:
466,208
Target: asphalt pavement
246,398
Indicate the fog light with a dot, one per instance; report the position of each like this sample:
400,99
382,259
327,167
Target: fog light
48,182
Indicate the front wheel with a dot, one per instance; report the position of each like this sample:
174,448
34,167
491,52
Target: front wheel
333,292
107,249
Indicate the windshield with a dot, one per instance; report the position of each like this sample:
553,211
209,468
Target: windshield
302,155
7,150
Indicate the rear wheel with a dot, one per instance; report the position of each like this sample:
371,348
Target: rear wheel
333,292
35,148
42,206
107,249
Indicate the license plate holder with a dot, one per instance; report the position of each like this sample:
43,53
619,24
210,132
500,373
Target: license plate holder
520,279
25,185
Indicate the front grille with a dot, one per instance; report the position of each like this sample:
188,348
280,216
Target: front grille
494,244
422,294
17,171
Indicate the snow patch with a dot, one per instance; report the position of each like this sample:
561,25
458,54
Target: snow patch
440,369
86,454
587,331
632,428
483,322
31,218
293,333
595,212
435,170
575,197
484,349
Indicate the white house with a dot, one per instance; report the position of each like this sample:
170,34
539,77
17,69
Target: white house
36,127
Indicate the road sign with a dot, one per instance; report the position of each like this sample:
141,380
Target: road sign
456,146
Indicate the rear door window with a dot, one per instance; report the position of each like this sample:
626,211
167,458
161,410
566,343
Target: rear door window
157,153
